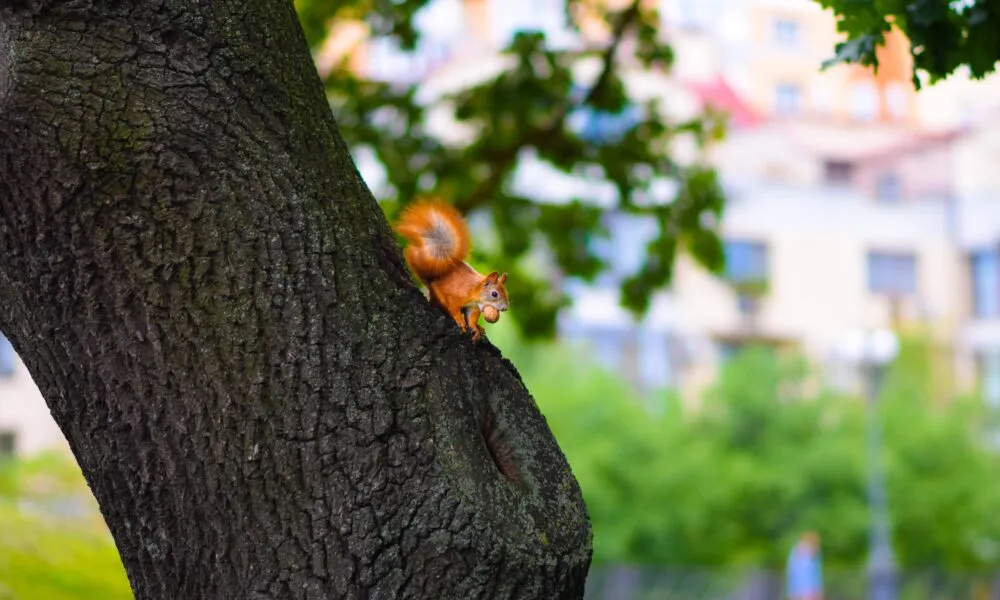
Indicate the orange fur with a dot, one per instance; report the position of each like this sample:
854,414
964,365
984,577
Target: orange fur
438,243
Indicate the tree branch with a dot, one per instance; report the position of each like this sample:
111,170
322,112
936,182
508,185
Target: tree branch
507,157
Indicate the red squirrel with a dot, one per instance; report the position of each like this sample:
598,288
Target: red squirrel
438,243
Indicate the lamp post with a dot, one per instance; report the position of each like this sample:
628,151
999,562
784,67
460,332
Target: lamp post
872,350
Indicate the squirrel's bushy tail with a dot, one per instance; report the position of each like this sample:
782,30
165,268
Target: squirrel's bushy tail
437,236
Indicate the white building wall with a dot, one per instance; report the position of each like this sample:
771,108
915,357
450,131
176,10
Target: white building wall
24,413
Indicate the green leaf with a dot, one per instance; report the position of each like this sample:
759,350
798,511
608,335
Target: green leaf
531,108
944,35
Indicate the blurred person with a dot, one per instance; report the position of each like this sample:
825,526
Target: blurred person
804,570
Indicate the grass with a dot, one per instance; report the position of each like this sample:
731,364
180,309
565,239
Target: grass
44,556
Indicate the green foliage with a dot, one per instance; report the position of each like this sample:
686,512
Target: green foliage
945,34
521,109
767,456
43,558
47,554
937,463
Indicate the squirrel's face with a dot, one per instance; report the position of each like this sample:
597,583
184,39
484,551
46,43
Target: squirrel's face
493,292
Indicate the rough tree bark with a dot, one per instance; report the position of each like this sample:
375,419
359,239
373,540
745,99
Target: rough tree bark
219,319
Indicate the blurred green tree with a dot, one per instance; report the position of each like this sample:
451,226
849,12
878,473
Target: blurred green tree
943,471
769,453
945,35
526,108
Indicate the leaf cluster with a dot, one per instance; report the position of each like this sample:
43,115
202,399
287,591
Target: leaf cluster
534,107
945,35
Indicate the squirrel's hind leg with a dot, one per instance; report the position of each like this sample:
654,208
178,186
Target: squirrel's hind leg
472,314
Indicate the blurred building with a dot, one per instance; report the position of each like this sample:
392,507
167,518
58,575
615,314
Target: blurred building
26,425
770,51
853,201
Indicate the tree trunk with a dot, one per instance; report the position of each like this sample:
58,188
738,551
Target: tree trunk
219,318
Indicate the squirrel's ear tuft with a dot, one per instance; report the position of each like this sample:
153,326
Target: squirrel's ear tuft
492,277
503,279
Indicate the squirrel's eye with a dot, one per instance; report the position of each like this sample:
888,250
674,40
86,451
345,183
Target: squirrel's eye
494,294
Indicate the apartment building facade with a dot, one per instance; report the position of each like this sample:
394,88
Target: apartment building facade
859,202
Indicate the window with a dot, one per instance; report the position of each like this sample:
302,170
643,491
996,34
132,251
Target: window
608,346
897,100
838,172
693,15
864,101
638,354
822,93
654,359
746,262
8,358
8,444
888,188
625,251
989,377
786,33
985,267
787,99
729,349
747,304
892,273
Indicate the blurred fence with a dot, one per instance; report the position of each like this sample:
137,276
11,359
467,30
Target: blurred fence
652,583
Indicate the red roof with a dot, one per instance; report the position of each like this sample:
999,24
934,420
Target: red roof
721,96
